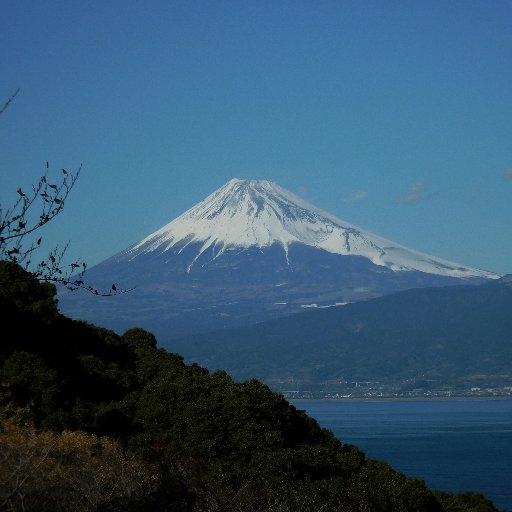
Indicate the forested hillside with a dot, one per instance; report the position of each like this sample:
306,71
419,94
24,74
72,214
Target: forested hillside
449,337
94,421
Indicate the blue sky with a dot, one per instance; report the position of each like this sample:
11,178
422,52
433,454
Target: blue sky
393,115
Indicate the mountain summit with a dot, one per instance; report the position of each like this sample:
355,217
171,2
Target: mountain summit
252,251
260,213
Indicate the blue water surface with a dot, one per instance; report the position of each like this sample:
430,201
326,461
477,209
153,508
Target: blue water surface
453,445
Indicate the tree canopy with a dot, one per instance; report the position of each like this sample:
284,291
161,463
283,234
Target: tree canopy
199,441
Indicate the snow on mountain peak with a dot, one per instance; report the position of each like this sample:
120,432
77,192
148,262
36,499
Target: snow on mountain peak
259,213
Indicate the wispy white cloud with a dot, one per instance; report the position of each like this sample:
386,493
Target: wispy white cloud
415,195
356,196
302,191
507,174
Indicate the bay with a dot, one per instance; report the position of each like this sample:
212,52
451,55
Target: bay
453,445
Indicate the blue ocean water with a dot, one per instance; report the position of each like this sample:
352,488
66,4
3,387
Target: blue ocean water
453,445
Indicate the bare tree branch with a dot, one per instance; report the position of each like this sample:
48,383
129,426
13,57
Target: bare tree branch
9,101
30,212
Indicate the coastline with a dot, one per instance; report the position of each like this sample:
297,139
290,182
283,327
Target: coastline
400,398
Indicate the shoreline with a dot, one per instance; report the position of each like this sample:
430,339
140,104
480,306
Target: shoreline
400,398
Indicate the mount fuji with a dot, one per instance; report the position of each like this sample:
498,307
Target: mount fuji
249,252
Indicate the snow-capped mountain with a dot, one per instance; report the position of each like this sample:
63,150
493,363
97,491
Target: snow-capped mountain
260,213
252,251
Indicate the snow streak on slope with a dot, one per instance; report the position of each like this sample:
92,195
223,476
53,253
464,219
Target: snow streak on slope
259,213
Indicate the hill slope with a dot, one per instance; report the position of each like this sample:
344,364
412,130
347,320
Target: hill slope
186,440
454,337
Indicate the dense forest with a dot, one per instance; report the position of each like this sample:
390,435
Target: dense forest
94,421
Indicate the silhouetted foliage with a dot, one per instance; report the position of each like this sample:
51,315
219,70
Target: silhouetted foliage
21,223
200,442
138,338
465,502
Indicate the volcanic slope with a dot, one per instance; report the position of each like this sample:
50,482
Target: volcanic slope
251,251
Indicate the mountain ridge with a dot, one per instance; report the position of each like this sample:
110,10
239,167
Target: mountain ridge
245,213
440,338
251,251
